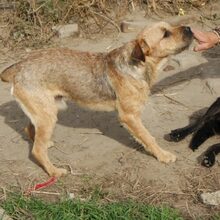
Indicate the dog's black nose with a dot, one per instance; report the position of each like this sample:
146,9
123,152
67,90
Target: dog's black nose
187,31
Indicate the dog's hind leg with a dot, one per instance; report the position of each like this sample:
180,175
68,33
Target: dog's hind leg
208,158
40,107
30,131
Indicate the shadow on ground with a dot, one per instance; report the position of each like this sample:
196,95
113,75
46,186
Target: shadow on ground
74,117
202,71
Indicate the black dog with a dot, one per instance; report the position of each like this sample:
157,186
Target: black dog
207,126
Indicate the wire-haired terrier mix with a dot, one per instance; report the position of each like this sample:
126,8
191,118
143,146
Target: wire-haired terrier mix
119,80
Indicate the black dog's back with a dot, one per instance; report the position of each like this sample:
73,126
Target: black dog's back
206,126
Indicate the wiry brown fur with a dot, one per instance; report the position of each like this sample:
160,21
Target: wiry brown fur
119,80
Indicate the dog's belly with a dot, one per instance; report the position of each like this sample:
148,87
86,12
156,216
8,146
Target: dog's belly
98,106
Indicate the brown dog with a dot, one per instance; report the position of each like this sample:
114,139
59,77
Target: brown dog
118,80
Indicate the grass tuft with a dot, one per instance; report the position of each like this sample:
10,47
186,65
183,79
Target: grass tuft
20,207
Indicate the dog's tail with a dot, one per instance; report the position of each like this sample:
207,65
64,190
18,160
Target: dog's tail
9,73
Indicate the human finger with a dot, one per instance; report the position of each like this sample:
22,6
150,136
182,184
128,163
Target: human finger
201,47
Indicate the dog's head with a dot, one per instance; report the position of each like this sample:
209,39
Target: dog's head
161,40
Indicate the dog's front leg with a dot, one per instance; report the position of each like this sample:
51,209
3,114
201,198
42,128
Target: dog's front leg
132,121
131,95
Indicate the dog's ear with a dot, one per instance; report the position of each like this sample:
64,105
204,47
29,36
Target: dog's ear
140,50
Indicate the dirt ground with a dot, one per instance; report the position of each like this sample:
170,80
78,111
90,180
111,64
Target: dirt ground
100,153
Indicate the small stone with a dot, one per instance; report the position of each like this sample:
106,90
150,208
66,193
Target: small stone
71,196
211,198
67,30
28,50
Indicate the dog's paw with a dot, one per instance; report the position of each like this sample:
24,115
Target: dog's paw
175,135
57,172
208,160
166,157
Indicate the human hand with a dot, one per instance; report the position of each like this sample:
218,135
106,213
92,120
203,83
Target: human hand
206,39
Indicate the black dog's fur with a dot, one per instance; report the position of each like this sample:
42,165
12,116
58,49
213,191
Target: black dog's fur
205,127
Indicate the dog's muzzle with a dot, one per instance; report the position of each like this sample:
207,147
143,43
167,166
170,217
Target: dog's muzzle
187,33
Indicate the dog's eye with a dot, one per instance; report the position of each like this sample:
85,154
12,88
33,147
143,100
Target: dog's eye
166,34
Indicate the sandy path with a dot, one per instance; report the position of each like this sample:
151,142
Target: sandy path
91,146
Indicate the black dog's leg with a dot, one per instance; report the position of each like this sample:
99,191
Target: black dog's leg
208,158
207,126
209,129
200,136
180,133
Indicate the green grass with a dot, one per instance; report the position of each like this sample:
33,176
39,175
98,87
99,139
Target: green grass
216,217
20,207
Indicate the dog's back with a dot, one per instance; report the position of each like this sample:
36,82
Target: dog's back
77,75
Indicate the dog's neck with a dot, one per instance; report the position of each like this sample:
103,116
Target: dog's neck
122,60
